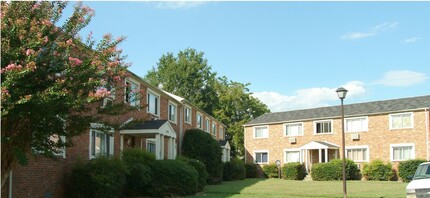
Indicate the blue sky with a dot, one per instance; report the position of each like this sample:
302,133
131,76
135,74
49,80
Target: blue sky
294,54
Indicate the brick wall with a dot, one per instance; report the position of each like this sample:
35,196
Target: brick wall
378,138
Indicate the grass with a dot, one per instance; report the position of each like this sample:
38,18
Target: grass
286,188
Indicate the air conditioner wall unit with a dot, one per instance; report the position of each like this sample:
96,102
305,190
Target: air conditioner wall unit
292,140
355,136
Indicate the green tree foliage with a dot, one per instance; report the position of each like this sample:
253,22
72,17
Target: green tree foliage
378,171
201,170
294,171
271,171
408,168
234,170
187,75
50,77
230,102
200,145
138,176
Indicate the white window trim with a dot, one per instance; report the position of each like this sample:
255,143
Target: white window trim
133,81
353,118
221,133
318,121
293,150
176,112
191,114
213,128
111,143
401,145
150,91
264,137
197,121
359,147
207,125
294,123
261,151
391,122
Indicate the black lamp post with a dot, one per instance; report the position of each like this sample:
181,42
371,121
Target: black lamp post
341,93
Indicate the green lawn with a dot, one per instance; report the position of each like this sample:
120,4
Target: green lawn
286,188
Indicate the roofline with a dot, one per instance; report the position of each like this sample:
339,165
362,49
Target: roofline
184,101
333,117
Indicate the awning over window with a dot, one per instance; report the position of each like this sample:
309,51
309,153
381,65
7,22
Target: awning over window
319,145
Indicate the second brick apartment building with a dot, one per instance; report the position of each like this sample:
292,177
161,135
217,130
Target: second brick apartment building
389,130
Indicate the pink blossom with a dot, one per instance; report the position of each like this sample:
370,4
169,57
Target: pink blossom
45,39
101,92
90,35
47,22
117,78
75,61
29,52
12,67
81,19
69,42
35,6
5,91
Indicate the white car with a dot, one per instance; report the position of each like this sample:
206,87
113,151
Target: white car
419,187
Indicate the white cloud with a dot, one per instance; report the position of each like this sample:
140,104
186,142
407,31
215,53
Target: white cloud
308,98
411,40
402,78
174,5
373,31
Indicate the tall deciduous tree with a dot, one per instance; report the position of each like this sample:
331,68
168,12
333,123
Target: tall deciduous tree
50,78
236,106
188,75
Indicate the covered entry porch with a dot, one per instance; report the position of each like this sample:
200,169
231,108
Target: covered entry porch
318,152
155,136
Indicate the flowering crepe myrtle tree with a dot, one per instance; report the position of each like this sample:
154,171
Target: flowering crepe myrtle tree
52,81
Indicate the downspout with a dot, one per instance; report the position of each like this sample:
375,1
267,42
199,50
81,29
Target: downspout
427,133
244,142
10,184
181,128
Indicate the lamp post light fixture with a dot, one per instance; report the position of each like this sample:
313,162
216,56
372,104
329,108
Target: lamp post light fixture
341,93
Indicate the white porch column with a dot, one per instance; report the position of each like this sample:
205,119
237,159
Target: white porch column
162,146
335,153
306,161
157,146
173,148
121,143
326,155
319,155
169,148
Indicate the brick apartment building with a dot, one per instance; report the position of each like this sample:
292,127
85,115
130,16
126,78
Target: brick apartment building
389,130
169,117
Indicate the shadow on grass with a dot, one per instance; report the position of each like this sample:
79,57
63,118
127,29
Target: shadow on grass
227,188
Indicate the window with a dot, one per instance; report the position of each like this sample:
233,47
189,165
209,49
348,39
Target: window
58,151
132,92
150,146
261,157
172,112
187,115
401,121
100,143
292,156
221,133
356,124
322,127
213,129
199,121
358,153
401,152
261,132
153,103
207,125
294,129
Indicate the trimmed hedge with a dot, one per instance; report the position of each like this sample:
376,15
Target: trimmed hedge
200,145
377,170
251,170
201,170
138,177
270,171
333,170
234,170
294,171
408,168
171,178
100,177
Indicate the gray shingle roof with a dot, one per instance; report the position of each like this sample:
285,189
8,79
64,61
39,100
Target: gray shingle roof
150,124
368,108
